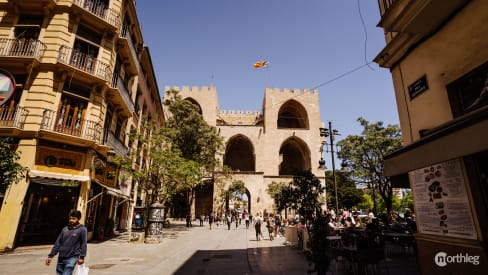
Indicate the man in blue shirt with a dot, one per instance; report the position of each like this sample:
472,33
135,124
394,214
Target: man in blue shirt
71,246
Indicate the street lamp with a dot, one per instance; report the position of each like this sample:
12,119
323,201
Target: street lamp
110,156
324,132
322,166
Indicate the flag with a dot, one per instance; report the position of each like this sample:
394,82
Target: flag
261,64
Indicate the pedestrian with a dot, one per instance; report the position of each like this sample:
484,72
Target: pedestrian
71,245
211,220
237,220
277,221
229,220
202,217
188,220
257,226
270,227
246,219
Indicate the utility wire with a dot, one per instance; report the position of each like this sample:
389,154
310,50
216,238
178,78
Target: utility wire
365,35
342,75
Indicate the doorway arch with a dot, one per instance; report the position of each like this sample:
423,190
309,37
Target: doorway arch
237,197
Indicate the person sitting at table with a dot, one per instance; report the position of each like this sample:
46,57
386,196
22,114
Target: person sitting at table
349,222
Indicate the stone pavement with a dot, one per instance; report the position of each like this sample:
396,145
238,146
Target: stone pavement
195,250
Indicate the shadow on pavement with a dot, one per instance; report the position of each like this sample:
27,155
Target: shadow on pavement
261,260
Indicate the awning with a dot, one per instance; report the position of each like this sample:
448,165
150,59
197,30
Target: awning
53,178
460,137
113,191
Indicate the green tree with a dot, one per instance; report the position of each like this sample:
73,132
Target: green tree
280,193
349,196
303,194
364,155
198,142
10,170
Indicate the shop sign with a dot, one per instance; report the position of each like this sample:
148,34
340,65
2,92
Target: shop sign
59,158
7,86
441,201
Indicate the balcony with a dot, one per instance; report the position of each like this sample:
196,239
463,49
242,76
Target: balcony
127,49
407,22
114,143
101,10
118,86
27,48
84,62
13,117
416,17
64,123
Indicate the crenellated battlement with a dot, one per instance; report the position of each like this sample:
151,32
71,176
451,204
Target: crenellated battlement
238,117
239,113
193,89
294,91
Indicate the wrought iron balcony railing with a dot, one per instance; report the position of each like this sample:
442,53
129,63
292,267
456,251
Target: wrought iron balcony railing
125,33
118,83
385,5
114,143
22,47
84,62
65,123
100,8
13,116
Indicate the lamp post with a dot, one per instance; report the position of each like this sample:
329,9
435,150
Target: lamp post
322,166
324,132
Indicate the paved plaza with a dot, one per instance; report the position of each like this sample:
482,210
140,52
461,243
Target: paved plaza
195,250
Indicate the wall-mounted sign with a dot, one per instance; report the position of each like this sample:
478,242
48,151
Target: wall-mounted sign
441,201
51,157
7,86
419,86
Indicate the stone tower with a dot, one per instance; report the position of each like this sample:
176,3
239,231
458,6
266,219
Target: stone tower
262,146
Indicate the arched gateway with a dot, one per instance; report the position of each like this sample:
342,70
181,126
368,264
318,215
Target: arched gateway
261,147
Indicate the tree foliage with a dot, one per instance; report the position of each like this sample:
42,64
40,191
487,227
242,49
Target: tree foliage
187,130
280,193
349,196
303,194
364,155
10,170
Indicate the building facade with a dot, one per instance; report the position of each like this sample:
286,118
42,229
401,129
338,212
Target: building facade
261,146
84,79
437,52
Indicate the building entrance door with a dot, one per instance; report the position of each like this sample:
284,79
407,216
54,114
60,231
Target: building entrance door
46,211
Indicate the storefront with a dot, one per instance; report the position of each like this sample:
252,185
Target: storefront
47,204
448,173
106,206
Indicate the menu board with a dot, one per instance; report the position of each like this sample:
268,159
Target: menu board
441,202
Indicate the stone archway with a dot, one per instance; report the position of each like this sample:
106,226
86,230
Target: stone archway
234,197
295,156
292,114
239,154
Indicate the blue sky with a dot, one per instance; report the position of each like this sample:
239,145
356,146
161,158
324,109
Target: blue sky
307,42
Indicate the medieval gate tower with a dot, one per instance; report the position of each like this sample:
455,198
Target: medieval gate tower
262,146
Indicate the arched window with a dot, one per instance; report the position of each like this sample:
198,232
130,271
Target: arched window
295,156
292,114
239,154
